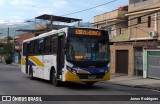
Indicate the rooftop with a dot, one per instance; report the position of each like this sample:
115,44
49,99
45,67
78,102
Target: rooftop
57,18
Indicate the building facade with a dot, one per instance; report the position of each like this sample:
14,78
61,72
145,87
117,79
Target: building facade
144,34
109,19
116,22
133,52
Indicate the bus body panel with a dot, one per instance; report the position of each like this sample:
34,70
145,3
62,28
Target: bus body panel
42,64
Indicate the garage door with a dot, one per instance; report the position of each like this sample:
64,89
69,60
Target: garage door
153,64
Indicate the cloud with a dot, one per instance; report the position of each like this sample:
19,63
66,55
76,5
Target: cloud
2,21
2,2
60,4
21,2
18,2
12,21
17,19
44,11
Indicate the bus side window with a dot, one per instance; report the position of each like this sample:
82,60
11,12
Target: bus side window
31,52
40,46
53,44
47,45
24,49
36,48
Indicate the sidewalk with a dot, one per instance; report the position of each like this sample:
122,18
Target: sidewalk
16,65
12,64
135,81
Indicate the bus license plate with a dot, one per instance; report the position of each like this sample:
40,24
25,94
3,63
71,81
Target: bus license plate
91,77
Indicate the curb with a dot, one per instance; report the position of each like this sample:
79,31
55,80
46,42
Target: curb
136,86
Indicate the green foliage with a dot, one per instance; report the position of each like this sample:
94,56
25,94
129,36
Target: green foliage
6,48
9,38
8,60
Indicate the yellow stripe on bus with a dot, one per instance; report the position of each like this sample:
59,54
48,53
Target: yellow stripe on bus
36,61
23,61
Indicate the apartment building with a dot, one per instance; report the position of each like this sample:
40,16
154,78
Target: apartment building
144,34
116,22
110,20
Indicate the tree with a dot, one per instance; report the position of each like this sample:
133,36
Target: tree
6,49
1,48
9,38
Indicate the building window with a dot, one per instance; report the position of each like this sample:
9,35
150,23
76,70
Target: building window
120,31
149,21
139,20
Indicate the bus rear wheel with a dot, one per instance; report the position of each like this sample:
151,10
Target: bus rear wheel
31,73
54,80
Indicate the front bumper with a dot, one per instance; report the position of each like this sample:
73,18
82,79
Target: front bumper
70,77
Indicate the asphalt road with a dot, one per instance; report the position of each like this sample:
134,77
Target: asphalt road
14,82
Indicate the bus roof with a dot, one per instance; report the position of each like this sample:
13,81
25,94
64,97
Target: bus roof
56,31
46,34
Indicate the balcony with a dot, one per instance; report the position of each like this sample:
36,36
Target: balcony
116,14
148,4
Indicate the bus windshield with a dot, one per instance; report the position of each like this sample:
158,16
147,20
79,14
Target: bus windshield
87,49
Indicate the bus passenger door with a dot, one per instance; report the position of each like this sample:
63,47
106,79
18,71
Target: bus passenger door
60,54
27,56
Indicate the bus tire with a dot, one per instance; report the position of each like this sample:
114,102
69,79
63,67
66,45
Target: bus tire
31,73
89,84
54,80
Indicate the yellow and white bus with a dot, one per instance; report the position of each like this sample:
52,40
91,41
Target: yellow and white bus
70,54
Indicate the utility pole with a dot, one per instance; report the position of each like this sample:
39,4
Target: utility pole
7,42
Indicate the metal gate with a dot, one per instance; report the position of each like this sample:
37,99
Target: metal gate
153,68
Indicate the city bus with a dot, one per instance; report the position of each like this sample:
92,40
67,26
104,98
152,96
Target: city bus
71,54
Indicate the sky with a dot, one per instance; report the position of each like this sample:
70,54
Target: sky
20,10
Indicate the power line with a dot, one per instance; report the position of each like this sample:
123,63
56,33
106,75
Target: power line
156,11
83,10
132,18
89,8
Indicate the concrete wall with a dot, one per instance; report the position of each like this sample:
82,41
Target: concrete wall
142,30
110,15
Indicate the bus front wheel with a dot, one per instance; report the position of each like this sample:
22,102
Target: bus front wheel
54,80
31,73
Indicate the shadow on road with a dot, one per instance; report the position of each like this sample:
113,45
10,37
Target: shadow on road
71,85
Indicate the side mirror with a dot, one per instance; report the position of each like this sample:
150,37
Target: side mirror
61,34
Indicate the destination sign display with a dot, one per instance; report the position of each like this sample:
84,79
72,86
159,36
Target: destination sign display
88,32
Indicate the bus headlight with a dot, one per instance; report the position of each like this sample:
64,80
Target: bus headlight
74,71
69,68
